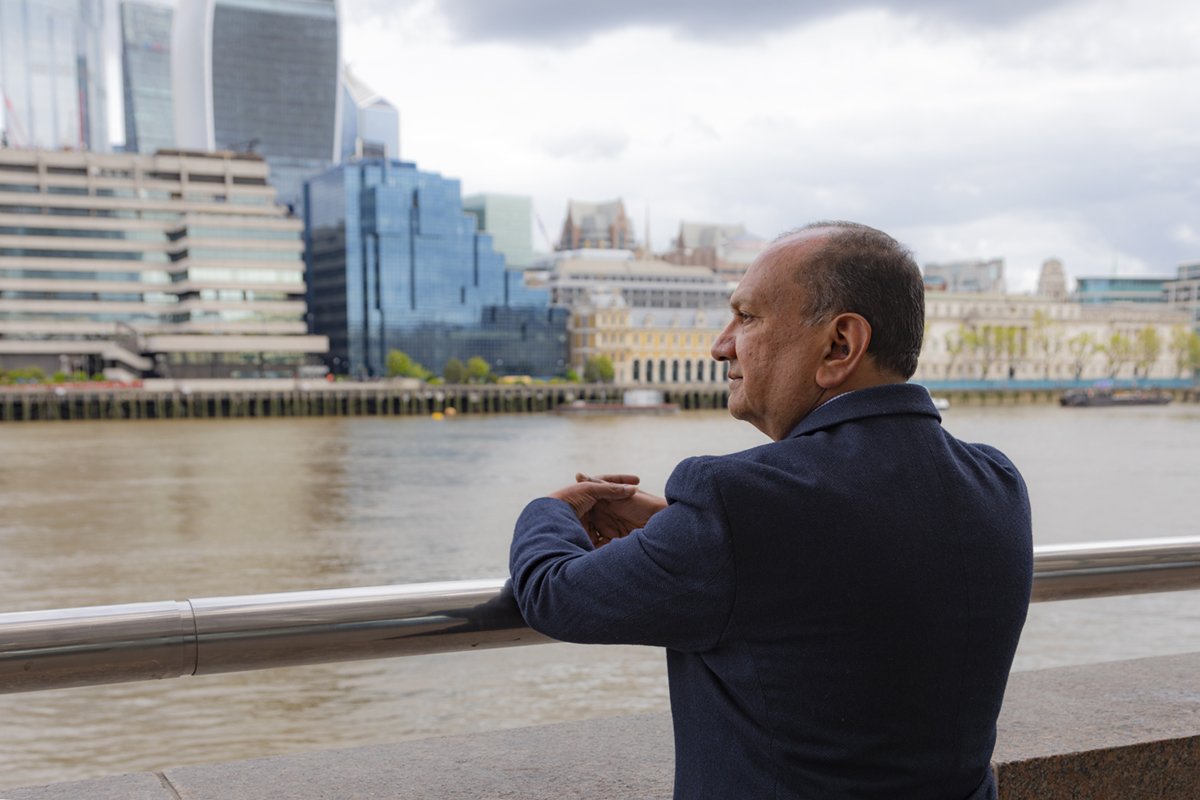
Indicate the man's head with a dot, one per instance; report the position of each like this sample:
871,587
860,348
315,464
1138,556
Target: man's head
826,309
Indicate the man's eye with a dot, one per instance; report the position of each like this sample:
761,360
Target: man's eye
744,317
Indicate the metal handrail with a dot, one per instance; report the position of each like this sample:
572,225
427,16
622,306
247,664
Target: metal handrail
142,641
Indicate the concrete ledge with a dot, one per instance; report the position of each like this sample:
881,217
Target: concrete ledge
142,786
1127,729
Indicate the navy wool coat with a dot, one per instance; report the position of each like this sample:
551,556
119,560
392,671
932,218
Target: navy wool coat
840,608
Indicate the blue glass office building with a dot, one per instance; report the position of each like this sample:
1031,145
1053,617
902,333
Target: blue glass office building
1121,289
395,264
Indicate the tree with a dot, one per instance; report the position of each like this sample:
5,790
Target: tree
454,371
1118,351
1185,346
956,342
1046,340
598,369
1147,347
1081,347
478,370
1194,352
1010,345
982,344
399,365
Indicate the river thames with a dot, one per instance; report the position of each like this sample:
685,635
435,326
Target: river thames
115,512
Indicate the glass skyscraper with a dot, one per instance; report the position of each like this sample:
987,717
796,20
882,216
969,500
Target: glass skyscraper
146,68
394,263
260,76
509,219
370,124
53,92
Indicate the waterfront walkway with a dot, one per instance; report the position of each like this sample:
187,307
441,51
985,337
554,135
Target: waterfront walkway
1125,729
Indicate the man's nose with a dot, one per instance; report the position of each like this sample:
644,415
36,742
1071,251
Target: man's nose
722,349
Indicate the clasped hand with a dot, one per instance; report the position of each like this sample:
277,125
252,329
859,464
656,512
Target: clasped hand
609,506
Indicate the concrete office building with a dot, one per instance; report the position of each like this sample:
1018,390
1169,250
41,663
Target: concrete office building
178,265
146,76
53,92
260,76
966,276
643,283
509,220
396,264
1184,292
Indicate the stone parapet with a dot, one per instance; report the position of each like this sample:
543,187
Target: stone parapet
1125,729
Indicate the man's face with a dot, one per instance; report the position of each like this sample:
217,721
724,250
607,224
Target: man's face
773,354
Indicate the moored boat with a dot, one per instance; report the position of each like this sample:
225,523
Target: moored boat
581,408
1084,398
634,401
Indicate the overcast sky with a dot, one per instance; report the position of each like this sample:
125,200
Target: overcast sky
1020,129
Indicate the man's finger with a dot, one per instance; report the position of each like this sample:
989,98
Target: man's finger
631,480
610,491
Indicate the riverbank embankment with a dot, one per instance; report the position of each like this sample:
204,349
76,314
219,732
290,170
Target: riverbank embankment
315,398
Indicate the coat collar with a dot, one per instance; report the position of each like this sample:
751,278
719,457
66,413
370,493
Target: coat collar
874,401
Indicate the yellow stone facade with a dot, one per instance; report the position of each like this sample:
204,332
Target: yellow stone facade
649,345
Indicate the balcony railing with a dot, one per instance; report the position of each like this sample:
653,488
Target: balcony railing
143,641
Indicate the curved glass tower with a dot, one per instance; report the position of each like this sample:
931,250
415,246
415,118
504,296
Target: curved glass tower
260,76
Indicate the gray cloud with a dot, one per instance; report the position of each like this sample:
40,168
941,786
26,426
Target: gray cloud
558,22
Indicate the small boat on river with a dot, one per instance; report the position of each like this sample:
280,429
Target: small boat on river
635,401
1086,398
581,408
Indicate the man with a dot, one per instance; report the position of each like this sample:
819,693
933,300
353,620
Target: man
840,607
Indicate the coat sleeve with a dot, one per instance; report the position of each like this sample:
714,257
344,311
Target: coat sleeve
670,584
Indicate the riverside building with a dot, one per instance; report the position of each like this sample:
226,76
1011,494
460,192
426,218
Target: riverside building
1184,291
988,337
654,321
395,263
647,345
177,265
642,282
985,277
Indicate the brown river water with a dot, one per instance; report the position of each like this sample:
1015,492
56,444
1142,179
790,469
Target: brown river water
115,512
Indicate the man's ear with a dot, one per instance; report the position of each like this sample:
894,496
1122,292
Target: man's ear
849,337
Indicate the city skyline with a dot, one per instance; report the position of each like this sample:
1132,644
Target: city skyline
1016,131
1020,132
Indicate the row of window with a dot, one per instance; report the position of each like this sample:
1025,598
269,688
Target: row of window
705,369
